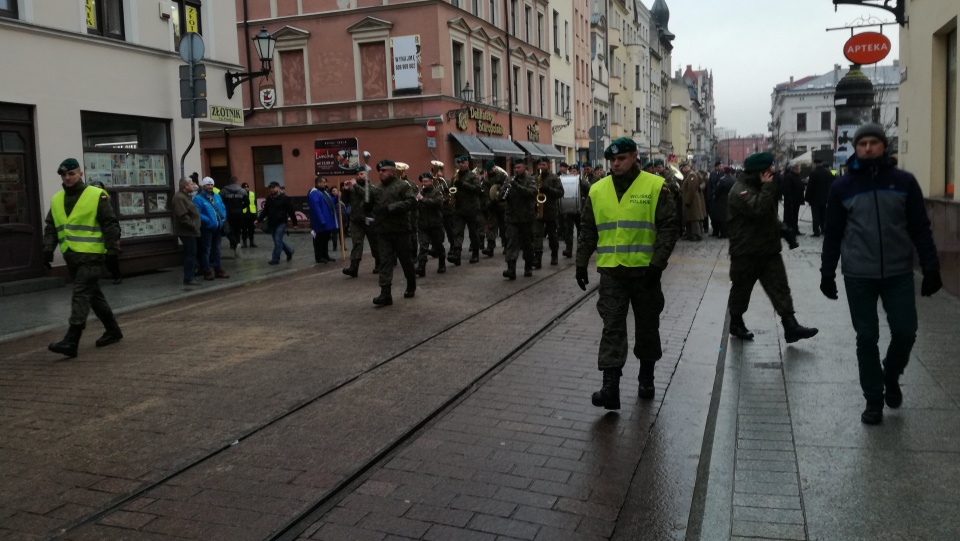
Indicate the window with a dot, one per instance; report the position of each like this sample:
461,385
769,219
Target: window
556,96
105,18
8,8
131,157
493,12
543,96
556,32
185,15
526,24
801,149
516,88
825,121
530,92
826,147
513,17
875,115
475,7
457,69
478,82
566,39
638,119
540,30
495,82
801,121
268,165
636,77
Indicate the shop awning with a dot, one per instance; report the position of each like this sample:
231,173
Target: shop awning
502,147
472,144
531,149
550,151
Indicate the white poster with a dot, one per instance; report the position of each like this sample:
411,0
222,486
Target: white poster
844,144
406,61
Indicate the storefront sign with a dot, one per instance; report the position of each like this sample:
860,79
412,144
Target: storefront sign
193,19
336,156
231,115
406,62
866,48
268,95
533,132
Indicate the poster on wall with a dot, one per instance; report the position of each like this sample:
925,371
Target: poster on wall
336,156
405,51
844,144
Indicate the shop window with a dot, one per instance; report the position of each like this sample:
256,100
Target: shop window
8,8
131,157
268,166
105,18
185,15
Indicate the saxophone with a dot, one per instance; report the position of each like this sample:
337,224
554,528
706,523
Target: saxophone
452,200
541,197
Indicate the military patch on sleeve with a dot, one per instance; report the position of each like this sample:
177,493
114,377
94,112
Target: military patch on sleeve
744,193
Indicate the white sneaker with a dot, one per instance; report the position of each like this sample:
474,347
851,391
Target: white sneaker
236,252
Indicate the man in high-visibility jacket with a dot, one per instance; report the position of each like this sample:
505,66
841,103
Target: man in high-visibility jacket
249,217
630,220
82,222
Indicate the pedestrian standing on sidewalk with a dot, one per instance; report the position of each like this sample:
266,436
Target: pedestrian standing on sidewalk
818,189
247,229
755,233
630,221
693,207
275,211
875,219
212,217
323,219
234,201
186,226
82,222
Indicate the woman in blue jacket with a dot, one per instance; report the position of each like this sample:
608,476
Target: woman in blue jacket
212,217
323,218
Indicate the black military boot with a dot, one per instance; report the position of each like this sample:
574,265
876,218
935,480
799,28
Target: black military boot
511,271
454,257
410,291
538,260
608,397
568,251
739,329
353,269
553,258
376,266
873,414
646,388
112,334
527,269
442,268
475,255
68,346
793,331
385,299
491,245
421,268
892,395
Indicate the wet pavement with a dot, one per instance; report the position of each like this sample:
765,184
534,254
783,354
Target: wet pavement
297,411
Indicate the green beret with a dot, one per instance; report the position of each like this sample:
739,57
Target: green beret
620,145
543,159
68,165
385,163
586,164
489,165
426,175
657,162
647,165
758,162
463,158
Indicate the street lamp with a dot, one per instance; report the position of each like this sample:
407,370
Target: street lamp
566,116
264,43
467,93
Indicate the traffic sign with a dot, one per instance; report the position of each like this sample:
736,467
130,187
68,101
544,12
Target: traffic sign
191,47
431,129
431,142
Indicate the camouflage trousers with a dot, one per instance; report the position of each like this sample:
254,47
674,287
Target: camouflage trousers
396,247
617,295
85,272
472,223
746,270
570,221
430,237
519,238
495,224
545,228
359,230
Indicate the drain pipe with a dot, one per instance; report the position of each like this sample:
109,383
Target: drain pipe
246,45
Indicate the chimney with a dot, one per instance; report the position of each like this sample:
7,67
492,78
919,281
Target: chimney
791,82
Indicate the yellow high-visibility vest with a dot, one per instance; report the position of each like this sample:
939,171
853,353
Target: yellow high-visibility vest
626,228
79,232
252,207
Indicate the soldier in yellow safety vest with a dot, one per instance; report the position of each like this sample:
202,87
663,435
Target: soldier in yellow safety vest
630,220
82,222
247,227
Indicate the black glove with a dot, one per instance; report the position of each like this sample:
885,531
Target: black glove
788,235
652,276
582,279
828,286
931,283
48,259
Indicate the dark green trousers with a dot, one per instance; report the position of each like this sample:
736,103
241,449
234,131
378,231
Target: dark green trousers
359,230
396,247
85,272
745,271
617,295
519,239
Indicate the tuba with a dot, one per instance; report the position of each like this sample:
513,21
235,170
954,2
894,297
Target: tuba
541,197
436,167
675,172
402,169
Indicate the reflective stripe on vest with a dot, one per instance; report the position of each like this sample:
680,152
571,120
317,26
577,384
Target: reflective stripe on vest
252,207
626,228
80,231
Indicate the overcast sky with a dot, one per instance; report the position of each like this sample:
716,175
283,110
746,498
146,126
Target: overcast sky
753,45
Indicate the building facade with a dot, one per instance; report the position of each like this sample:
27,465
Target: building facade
735,150
99,81
563,28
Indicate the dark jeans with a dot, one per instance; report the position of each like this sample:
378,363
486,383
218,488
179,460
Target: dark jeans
791,215
210,249
247,228
321,244
279,243
236,227
899,302
818,213
189,257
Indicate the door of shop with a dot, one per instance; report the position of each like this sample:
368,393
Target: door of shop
20,233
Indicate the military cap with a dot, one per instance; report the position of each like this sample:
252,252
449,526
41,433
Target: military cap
426,175
68,165
386,163
563,164
620,145
587,164
489,165
543,159
657,162
758,162
647,165
463,158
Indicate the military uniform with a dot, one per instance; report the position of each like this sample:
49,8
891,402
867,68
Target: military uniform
430,228
359,228
547,226
755,233
495,220
571,221
466,214
519,215
391,208
81,220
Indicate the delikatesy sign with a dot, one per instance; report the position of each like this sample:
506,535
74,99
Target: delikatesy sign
336,156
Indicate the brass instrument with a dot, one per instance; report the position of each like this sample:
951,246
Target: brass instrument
675,172
453,191
541,197
436,167
494,192
402,169
504,193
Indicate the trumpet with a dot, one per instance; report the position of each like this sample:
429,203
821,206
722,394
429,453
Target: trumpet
541,197
504,193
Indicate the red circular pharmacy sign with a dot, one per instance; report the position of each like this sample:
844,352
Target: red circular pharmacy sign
431,128
867,48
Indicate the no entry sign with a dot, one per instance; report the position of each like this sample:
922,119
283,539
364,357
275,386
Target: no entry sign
431,128
866,48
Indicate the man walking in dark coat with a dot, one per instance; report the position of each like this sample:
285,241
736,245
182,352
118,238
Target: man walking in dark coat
792,188
818,190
